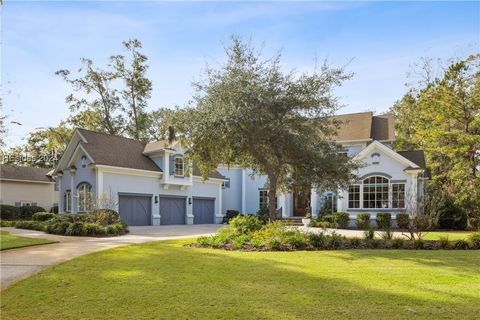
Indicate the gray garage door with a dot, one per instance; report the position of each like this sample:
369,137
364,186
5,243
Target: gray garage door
203,210
135,210
172,210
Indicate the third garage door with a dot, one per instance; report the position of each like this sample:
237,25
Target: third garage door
203,210
172,210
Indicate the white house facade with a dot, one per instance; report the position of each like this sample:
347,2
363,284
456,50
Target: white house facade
152,184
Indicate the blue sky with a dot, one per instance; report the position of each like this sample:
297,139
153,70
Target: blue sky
378,41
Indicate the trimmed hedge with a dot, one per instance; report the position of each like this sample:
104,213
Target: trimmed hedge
384,220
230,214
341,219
99,223
403,220
42,216
452,216
363,221
8,212
27,212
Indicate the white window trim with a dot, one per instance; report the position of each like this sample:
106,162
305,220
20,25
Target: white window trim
26,203
86,190
390,195
360,198
68,201
175,166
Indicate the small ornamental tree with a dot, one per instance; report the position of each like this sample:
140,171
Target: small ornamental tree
249,112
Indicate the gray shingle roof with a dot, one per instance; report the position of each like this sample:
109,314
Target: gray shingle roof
110,150
365,126
416,156
12,172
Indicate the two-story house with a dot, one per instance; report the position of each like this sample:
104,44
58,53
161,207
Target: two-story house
152,184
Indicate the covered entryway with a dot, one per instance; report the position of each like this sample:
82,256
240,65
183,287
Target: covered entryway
135,210
172,210
203,210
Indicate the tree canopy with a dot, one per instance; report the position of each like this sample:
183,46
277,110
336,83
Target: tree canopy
249,112
441,115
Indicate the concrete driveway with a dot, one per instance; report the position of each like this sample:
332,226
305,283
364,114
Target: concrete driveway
20,263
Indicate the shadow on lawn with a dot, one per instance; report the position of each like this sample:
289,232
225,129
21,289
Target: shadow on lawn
167,281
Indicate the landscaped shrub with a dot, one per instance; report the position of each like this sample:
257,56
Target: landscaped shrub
462,244
335,240
57,227
321,224
8,212
384,220
240,241
403,220
26,212
443,242
42,216
7,223
317,240
341,219
54,209
296,239
327,218
245,224
363,221
397,243
263,215
230,214
75,229
355,242
452,216
31,225
418,244
103,217
474,240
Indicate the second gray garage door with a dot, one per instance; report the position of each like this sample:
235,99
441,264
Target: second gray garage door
135,210
203,211
172,210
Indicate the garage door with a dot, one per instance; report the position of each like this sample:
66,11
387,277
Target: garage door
135,210
172,210
203,210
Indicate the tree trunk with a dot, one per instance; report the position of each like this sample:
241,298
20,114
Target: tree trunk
272,194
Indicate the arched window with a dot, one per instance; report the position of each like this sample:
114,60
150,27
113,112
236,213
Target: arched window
84,191
375,192
179,166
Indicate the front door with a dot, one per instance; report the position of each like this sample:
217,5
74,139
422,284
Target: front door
301,203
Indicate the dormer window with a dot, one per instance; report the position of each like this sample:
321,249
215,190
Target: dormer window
179,166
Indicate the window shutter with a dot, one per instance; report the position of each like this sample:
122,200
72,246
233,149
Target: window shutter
171,165
17,204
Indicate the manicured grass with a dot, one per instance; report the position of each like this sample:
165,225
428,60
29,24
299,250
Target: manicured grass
452,235
10,241
165,280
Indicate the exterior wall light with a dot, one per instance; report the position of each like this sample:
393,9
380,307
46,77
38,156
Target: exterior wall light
156,199
189,200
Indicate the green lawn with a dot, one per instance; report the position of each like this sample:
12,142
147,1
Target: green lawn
10,241
165,280
452,235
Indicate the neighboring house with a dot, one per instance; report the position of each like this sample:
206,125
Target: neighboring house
152,184
389,182
148,184
24,186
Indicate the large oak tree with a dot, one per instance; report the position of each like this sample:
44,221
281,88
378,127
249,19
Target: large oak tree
249,112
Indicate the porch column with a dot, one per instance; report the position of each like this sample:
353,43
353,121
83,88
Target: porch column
282,204
314,202
73,202
59,178
340,194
